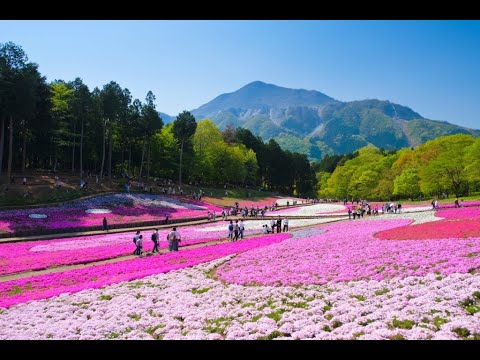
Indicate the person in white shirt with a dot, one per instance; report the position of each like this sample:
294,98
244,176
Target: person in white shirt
173,238
242,228
285,225
140,245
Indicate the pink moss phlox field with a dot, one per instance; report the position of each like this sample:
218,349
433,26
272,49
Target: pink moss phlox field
125,208
38,255
456,223
434,231
48,285
459,213
348,251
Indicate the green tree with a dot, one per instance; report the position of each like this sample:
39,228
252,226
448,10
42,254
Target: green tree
82,108
112,100
447,172
407,183
184,128
150,123
13,62
62,99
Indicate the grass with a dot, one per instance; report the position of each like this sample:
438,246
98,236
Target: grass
381,292
200,291
462,332
438,321
272,335
135,317
359,297
105,297
151,330
403,324
276,315
218,326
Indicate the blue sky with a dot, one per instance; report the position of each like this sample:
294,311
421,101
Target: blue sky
431,66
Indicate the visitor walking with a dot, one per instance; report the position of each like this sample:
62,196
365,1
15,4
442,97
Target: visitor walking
155,241
140,245
173,238
285,225
236,230
230,230
135,239
279,225
242,229
166,218
25,182
272,225
105,224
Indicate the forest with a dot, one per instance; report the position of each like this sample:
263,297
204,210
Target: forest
446,166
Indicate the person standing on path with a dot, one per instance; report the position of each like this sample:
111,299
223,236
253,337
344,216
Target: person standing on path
173,238
285,225
236,229
279,225
105,224
155,241
242,228
135,239
272,225
25,182
140,245
230,230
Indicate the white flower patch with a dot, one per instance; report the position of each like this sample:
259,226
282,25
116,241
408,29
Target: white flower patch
257,224
98,211
312,210
37,216
418,217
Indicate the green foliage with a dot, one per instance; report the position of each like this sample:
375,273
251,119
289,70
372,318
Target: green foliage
403,324
407,184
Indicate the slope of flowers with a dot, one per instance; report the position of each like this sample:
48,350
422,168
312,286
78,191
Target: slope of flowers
439,230
48,285
455,223
125,208
348,251
460,213
27,256
187,304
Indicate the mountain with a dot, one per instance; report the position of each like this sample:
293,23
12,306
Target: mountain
315,124
167,119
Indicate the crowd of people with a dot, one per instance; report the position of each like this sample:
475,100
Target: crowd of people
363,207
173,239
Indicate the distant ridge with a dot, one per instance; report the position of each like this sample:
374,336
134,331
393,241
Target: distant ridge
315,124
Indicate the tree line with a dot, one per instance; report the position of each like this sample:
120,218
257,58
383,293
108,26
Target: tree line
65,126
448,165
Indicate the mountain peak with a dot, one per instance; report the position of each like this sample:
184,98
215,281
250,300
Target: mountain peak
259,95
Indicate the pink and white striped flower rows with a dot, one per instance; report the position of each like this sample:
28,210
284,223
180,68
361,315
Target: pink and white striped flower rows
38,255
189,304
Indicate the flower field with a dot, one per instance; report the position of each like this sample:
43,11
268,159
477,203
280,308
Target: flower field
454,223
338,280
124,208
38,255
48,285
